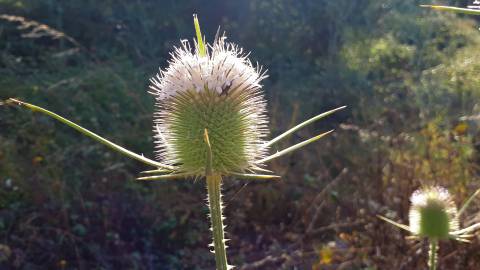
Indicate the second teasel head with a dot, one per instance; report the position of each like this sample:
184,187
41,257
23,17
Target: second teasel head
433,213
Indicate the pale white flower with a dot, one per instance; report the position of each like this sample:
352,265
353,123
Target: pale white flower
225,68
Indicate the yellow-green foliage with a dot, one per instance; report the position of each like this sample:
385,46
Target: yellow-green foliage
435,155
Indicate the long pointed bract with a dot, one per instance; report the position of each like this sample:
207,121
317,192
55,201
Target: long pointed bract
467,230
167,176
301,125
155,171
470,11
294,147
401,226
201,45
90,134
252,176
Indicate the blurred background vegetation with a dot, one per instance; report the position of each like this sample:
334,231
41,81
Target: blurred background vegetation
409,76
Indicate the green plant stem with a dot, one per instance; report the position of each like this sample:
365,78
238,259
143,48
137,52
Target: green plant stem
432,254
90,134
214,182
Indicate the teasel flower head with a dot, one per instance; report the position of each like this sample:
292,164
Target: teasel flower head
433,213
216,88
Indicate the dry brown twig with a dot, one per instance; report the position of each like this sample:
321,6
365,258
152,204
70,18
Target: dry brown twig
260,264
319,200
335,226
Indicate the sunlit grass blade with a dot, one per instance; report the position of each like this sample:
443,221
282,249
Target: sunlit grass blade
401,226
90,134
467,202
294,147
166,177
470,11
251,176
301,125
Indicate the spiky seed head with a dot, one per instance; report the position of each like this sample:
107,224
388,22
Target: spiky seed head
433,213
219,91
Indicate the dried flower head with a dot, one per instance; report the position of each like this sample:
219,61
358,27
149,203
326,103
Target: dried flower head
219,91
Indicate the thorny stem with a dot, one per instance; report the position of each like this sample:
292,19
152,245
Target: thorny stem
433,254
90,134
214,183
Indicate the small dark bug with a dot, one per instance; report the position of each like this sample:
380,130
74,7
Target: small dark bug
226,88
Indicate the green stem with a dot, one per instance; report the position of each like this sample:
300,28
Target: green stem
90,134
432,254
214,182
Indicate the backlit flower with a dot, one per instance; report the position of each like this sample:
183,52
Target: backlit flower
433,213
220,92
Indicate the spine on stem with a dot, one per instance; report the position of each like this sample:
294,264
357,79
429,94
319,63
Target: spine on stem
214,182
